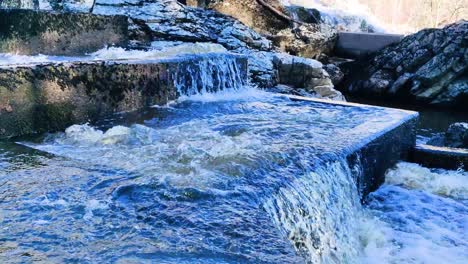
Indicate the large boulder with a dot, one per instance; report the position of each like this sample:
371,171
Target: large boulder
250,13
307,40
305,74
429,67
295,30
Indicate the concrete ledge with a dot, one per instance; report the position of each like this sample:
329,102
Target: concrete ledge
440,157
377,148
51,97
382,153
31,32
357,45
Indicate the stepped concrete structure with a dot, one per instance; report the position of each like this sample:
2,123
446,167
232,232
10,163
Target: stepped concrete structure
37,98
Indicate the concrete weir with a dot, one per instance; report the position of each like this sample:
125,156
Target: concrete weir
378,144
49,97
357,45
440,157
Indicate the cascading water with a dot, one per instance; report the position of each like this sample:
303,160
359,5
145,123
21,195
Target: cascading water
319,212
211,75
226,174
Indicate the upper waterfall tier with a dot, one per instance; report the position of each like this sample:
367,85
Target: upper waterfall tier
49,94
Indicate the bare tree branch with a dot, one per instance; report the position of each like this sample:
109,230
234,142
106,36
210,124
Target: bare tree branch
278,13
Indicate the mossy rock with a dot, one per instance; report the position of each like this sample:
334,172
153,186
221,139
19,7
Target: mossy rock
32,32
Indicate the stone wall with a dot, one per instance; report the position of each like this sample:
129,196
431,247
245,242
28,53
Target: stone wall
50,97
33,32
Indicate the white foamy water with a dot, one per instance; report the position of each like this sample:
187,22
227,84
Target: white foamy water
447,183
159,51
320,213
418,216
171,51
349,15
14,59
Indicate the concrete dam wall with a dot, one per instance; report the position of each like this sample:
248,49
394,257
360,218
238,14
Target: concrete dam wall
356,45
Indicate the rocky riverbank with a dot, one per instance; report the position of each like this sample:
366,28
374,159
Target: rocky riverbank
273,44
429,67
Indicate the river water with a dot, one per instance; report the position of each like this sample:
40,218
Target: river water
240,176
232,176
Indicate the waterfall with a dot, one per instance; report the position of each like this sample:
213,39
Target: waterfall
213,73
319,213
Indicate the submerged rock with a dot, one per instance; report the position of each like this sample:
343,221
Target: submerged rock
455,137
429,67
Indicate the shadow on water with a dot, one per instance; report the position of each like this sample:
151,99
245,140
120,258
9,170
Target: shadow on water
431,120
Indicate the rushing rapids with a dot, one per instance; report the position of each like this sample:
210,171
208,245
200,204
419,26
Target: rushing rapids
232,176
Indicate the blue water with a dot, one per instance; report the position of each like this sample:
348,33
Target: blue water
240,176
420,216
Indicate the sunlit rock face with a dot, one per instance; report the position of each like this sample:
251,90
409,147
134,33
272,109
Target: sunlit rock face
428,67
307,75
307,40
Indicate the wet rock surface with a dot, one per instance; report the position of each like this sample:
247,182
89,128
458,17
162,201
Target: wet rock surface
455,137
429,67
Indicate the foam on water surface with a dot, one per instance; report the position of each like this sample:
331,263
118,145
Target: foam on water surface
418,216
221,177
218,176
158,51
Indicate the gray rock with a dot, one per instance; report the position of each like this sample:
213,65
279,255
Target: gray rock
336,75
457,135
428,67
307,74
307,40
